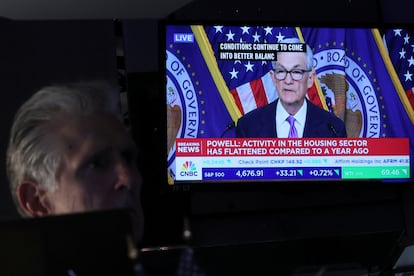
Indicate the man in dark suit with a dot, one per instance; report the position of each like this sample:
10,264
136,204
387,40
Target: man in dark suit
292,114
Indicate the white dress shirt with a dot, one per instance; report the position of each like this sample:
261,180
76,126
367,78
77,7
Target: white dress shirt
283,126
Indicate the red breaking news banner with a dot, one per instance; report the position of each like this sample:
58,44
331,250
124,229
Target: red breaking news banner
286,147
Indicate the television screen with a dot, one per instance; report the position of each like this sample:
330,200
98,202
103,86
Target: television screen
218,77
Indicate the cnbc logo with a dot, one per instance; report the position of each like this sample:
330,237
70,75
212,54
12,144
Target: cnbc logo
188,169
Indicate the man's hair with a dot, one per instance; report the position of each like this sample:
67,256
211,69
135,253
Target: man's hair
309,53
30,152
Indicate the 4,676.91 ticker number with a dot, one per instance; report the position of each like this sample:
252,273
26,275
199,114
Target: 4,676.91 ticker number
249,173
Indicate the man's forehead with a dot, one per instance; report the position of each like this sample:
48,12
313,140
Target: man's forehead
82,121
291,57
73,129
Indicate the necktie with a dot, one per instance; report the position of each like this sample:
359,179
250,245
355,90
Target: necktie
293,133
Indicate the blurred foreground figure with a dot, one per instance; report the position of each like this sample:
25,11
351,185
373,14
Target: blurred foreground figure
69,152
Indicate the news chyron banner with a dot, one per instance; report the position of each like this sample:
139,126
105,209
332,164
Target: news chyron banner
294,159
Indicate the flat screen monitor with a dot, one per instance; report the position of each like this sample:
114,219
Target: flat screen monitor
217,74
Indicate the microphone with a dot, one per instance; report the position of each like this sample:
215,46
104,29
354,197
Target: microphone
228,127
332,128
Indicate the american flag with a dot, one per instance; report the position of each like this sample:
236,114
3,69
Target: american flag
400,46
248,81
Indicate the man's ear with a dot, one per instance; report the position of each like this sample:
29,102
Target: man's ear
272,76
311,78
32,199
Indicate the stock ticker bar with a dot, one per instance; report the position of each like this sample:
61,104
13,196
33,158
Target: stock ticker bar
270,173
284,159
